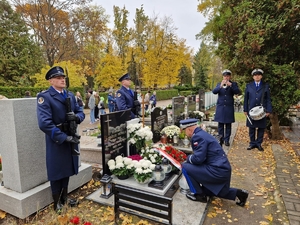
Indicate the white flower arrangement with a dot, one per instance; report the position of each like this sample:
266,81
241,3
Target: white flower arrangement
143,170
170,131
121,166
152,155
139,135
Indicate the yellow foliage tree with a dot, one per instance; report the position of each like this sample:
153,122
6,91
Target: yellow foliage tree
75,74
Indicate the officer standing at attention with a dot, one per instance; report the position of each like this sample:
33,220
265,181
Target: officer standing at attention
225,105
257,93
207,170
125,97
61,162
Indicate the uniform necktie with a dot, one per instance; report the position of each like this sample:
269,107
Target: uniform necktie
257,85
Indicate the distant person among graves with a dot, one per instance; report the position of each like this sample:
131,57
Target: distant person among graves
27,94
226,89
257,94
92,104
61,162
207,170
146,100
101,107
97,100
125,97
79,100
111,102
153,100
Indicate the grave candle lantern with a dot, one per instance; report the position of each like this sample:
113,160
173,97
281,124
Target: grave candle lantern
99,140
158,175
106,186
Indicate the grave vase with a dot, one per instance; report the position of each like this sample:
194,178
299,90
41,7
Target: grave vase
170,139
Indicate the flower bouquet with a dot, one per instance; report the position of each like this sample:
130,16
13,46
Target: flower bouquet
143,171
139,136
122,167
152,155
176,154
196,114
170,131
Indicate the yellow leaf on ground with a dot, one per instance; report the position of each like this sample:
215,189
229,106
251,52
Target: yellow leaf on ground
269,217
2,214
258,193
212,215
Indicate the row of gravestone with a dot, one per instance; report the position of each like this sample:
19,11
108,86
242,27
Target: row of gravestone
114,127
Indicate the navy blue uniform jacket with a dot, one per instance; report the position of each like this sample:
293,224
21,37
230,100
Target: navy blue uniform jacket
225,102
125,99
51,111
253,97
208,163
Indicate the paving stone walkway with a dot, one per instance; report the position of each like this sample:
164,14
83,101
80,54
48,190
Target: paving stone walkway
287,173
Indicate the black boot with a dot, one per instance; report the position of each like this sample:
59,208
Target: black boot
57,205
63,197
242,195
64,200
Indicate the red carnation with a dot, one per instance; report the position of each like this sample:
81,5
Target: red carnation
75,220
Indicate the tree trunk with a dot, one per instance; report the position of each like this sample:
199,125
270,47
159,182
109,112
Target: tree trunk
275,131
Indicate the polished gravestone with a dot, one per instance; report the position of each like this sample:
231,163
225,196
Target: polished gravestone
191,104
178,110
114,136
159,119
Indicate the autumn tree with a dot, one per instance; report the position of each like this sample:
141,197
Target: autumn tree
75,74
50,23
20,57
262,34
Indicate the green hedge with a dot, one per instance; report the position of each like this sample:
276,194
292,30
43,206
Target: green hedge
19,92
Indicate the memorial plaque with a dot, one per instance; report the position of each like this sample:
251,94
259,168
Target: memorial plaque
113,136
178,110
159,119
191,104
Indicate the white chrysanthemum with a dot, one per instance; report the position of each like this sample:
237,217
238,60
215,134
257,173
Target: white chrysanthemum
142,151
134,162
151,150
132,141
119,158
130,166
112,167
155,155
119,165
127,161
111,162
152,166
138,164
139,170
152,159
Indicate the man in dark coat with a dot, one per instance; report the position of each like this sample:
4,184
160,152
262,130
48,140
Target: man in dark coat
225,105
207,170
257,93
52,116
125,97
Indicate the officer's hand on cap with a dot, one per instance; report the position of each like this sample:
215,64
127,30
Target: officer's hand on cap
72,140
71,116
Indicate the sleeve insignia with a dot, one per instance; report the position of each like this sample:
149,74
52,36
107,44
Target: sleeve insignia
119,95
195,143
41,100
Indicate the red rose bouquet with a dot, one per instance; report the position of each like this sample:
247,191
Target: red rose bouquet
175,153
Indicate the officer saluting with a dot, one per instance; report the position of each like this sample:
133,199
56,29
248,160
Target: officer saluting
125,97
52,113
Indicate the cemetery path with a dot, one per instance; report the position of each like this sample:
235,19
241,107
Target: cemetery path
272,179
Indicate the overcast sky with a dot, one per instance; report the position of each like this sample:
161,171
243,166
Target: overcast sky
183,12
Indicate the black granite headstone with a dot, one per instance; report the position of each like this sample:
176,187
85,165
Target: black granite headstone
114,136
178,110
159,119
191,103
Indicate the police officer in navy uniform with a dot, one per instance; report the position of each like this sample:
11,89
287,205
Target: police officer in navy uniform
225,105
61,162
254,93
207,170
125,97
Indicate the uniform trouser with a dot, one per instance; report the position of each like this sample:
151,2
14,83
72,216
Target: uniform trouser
227,133
58,185
111,108
256,136
226,192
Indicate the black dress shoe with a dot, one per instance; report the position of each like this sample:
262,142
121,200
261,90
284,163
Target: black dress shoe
260,148
242,196
250,147
195,197
227,143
